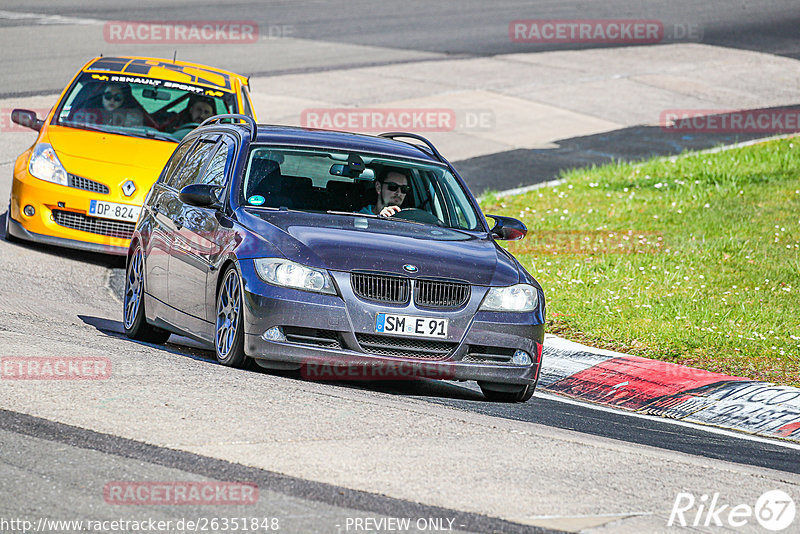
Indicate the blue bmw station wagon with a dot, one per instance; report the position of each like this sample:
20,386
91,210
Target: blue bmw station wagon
342,255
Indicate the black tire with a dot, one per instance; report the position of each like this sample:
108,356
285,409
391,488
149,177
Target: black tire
523,394
229,326
133,316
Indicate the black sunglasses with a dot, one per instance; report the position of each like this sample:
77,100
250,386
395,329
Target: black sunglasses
117,97
394,186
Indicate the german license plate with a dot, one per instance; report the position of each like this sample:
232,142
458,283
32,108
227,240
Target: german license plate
410,325
112,210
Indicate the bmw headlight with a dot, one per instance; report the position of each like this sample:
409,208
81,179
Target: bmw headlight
516,298
45,165
282,272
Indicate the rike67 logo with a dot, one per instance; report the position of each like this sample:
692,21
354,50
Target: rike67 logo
774,510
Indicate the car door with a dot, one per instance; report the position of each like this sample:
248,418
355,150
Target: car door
163,209
195,245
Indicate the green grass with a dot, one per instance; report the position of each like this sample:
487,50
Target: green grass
694,261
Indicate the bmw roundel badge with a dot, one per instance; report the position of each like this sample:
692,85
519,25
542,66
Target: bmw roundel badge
410,268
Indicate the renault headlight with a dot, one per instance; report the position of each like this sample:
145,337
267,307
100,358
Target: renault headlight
282,272
516,298
44,165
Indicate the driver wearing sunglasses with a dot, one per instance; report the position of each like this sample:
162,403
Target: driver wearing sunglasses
114,105
392,186
113,97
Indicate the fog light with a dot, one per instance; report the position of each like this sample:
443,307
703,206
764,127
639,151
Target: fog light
274,334
29,210
521,358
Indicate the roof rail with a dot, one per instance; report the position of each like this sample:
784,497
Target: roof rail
395,135
219,118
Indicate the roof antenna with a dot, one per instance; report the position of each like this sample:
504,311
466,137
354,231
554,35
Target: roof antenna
175,55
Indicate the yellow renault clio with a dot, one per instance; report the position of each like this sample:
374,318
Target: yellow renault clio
82,183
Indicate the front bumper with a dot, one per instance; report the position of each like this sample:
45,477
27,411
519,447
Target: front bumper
71,205
19,231
344,364
322,338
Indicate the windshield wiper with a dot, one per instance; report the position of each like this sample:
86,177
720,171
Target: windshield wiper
84,126
355,214
373,216
149,134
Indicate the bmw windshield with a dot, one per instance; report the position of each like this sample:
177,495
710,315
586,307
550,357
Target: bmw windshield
140,106
349,183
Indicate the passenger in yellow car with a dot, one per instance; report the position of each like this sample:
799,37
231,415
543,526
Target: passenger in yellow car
198,109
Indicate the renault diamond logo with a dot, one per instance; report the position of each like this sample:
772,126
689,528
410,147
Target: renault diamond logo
128,188
410,268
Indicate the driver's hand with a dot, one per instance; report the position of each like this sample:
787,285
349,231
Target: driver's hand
388,211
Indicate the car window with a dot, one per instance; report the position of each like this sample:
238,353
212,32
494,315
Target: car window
215,172
189,170
246,109
146,107
174,160
345,182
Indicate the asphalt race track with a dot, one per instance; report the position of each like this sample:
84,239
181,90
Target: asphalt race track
348,457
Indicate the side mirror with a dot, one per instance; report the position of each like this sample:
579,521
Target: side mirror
26,118
508,228
201,195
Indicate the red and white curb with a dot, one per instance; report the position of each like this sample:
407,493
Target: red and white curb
669,390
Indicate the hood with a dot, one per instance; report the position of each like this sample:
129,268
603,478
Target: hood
132,152
344,243
111,159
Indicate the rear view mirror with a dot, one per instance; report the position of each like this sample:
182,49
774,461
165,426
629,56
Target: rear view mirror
155,94
508,228
201,195
26,118
348,170
353,168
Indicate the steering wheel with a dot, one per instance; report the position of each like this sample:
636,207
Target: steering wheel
417,215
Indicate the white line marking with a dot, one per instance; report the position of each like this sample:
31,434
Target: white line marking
525,189
45,19
696,426
620,514
723,148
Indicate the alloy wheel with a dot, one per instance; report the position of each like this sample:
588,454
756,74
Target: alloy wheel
133,288
228,314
